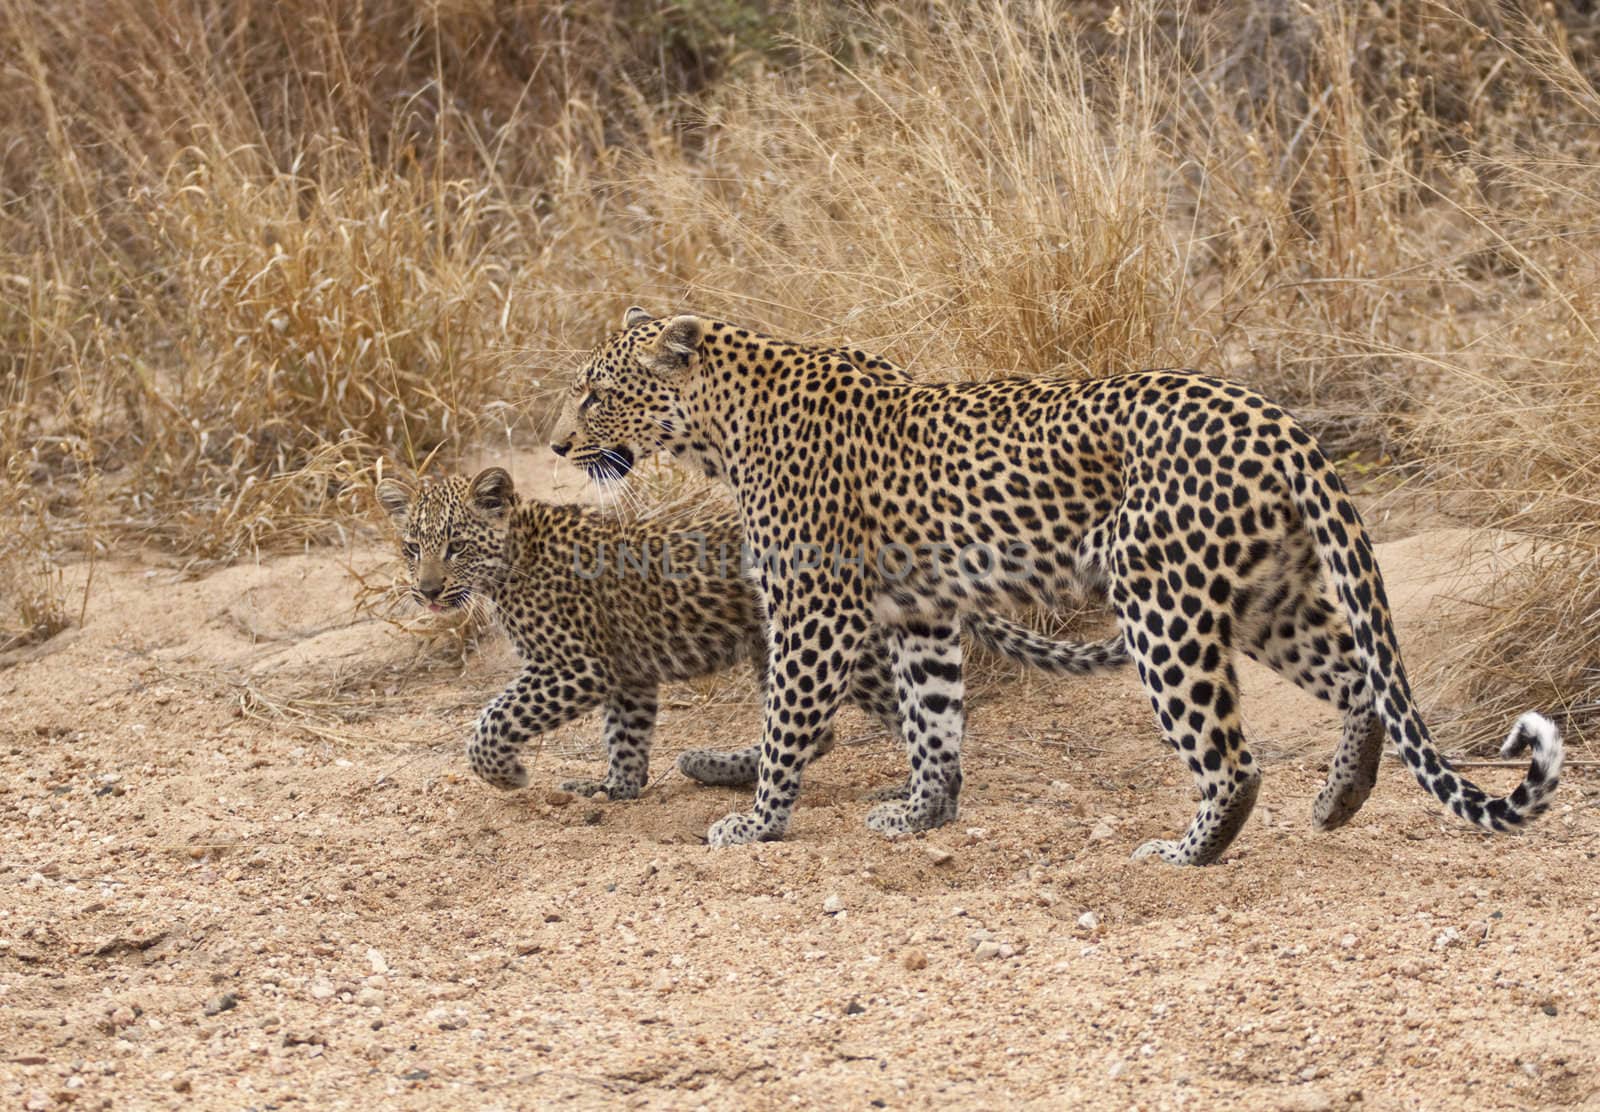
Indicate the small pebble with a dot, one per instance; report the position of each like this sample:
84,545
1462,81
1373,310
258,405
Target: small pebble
832,905
224,1003
559,798
445,1020
1088,920
321,989
938,855
914,959
985,950
854,1008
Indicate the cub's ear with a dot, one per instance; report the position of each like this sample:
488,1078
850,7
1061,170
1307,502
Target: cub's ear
493,492
635,315
678,346
395,498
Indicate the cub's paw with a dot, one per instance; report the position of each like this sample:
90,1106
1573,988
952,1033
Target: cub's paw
902,817
740,828
495,763
507,775
734,768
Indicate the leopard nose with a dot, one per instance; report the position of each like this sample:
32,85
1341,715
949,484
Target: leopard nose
430,589
561,447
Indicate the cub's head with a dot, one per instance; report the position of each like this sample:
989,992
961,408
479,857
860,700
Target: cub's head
452,533
628,397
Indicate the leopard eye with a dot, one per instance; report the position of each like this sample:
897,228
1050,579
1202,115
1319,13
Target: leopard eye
589,402
411,550
452,550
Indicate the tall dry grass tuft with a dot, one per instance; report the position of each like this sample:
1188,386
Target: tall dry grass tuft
30,577
235,234
1080,188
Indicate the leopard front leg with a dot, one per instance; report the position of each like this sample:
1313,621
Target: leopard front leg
1187,672
545,694
630,719
929,694
732,768
736,768
811,659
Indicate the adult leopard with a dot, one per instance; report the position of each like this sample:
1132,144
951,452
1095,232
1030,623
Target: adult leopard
602,612
1204,510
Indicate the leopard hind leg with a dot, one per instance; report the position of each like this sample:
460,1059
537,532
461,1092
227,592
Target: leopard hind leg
1298,632
629,722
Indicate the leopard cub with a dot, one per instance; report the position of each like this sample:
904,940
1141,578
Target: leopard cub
592,634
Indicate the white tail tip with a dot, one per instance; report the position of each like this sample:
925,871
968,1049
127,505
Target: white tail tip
1541,733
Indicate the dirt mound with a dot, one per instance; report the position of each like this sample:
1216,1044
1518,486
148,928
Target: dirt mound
244,865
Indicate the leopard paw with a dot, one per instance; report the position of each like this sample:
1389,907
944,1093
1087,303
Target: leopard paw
741,828
1170,852
905,817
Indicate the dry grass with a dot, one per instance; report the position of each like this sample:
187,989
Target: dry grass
246,248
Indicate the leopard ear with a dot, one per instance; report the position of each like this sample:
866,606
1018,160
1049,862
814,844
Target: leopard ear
492,491
635,316
678,346
395,498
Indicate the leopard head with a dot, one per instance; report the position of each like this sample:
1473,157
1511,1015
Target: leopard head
628,397
452,533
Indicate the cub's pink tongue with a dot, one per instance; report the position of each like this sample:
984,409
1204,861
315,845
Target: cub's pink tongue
435,607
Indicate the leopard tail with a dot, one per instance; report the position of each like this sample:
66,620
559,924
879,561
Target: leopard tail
1032,650
1345,550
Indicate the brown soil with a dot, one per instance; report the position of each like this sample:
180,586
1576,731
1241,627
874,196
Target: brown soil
238,795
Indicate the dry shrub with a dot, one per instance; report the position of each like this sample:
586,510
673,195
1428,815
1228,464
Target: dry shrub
1517,430
33,602
1054,189
234,234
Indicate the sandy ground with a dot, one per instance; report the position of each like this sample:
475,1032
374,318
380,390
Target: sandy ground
243,865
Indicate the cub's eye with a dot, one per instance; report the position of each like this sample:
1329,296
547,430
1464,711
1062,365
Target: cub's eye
452,550
411,550
589,402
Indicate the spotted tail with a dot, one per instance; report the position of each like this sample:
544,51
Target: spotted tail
1061,658
1347,558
